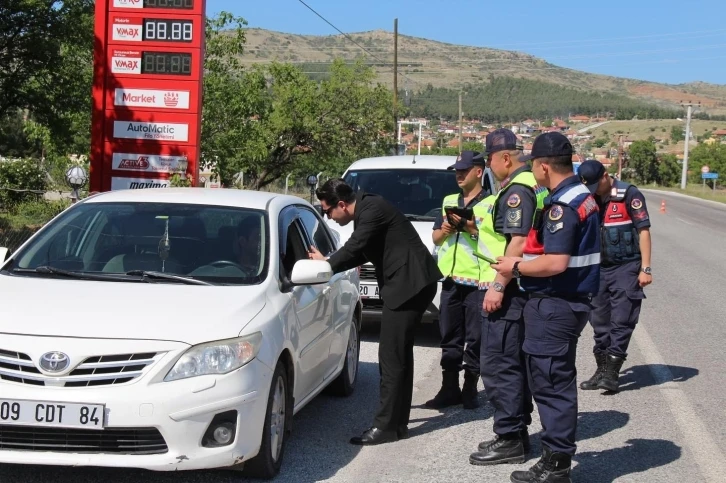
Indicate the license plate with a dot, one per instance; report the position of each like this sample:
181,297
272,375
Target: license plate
51,414
369,291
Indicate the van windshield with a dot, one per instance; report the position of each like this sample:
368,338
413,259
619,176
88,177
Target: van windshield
418,193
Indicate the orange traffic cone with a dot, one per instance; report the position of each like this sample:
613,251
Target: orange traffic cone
662,206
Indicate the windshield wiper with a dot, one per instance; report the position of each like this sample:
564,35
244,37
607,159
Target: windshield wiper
411,217
45,269
147,274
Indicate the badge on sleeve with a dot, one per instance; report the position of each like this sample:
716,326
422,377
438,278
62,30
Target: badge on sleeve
636,204
555,227
556,212
514,218
514,201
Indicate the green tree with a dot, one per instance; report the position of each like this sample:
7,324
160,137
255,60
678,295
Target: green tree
713,156
643,163
677,134
669,171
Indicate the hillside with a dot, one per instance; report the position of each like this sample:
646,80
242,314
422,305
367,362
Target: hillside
422,62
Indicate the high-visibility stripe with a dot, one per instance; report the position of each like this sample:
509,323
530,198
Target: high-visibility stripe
575,262
572,193
618,223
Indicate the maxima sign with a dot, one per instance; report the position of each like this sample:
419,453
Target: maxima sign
118,183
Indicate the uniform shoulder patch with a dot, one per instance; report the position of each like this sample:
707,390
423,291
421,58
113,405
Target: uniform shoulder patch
556,212
636,204
555,227
514,200
514,218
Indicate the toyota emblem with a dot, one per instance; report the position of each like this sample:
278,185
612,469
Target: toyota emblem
54,362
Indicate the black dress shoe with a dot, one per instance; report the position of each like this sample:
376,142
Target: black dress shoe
374,436
402,432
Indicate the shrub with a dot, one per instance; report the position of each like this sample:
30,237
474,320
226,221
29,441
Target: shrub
21,174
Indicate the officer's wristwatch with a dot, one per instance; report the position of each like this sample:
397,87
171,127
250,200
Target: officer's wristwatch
515,270
498,287
646,270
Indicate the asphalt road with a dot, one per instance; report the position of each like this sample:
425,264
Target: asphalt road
666,425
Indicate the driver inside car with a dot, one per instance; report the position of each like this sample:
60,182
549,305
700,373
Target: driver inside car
247,243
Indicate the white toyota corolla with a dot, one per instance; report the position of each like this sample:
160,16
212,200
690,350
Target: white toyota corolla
171,329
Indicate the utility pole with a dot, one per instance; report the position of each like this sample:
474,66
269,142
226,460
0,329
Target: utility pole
395,70
684,173
620,157
461,125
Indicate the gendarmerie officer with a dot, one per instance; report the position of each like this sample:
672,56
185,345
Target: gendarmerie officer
561,271
461,299
624,271
504,221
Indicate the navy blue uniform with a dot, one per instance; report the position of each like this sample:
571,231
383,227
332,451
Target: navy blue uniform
559,306
459,321
616,307
503,369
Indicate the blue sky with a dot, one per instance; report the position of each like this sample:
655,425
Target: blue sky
656,40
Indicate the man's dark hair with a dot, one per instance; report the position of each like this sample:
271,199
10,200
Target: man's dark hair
559,164
335,190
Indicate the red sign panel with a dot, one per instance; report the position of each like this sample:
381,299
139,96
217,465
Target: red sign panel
147,92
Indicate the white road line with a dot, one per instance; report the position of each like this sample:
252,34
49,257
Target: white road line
684,221
698,440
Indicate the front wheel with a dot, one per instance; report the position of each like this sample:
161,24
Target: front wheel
267,463
344,385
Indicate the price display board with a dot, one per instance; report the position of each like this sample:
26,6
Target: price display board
148,68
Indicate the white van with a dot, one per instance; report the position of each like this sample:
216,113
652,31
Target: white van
416,185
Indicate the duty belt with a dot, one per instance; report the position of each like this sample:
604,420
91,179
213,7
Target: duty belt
567,297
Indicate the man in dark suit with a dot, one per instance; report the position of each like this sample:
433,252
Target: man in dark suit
407,276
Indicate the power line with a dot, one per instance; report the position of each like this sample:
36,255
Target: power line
345,35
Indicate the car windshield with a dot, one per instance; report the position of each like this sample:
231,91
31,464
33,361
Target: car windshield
220,245
417,193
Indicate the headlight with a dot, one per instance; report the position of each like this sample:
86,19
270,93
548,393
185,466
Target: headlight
218,357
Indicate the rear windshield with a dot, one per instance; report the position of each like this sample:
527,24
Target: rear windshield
417,192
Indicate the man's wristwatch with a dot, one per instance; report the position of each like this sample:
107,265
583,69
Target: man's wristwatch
646,270
515,270
498,287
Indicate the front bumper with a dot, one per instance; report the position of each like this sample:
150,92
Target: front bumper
373,307
181,411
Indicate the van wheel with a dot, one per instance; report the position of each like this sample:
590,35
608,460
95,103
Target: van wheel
344,385
267,463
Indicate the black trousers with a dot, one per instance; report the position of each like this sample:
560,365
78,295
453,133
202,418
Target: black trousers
616,308
395,359
460,326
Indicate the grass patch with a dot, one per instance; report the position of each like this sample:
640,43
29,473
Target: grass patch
696,191
24,219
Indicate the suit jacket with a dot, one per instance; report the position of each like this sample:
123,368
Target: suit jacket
385,237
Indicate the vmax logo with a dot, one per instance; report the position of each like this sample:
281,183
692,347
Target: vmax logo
124,32
125,65
128,3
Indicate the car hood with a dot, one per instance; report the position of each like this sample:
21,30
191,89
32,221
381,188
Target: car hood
121,310
423,228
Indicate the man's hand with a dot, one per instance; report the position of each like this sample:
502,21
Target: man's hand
314,254
447,229
505,265
469,226
644,279
493,300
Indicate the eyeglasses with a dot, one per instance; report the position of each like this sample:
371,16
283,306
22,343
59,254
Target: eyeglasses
327,212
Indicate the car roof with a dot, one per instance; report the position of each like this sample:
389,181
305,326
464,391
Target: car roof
199,196
426,161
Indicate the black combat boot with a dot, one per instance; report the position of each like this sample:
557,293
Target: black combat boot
591,384
523,434
470,393
504,449
449,394
551,468
609,379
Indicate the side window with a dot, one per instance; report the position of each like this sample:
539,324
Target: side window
294,248
316,230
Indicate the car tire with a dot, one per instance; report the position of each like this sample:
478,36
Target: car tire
344,384
274,432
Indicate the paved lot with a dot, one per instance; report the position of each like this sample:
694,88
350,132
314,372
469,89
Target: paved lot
666,425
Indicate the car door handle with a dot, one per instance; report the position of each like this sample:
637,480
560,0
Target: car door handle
327,290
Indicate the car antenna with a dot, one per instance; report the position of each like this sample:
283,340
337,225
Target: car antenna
413,161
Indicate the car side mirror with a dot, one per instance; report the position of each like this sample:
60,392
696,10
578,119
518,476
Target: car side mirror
311,272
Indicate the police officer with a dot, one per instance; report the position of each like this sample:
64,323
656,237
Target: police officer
624,271
461,299
504,220
561,271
